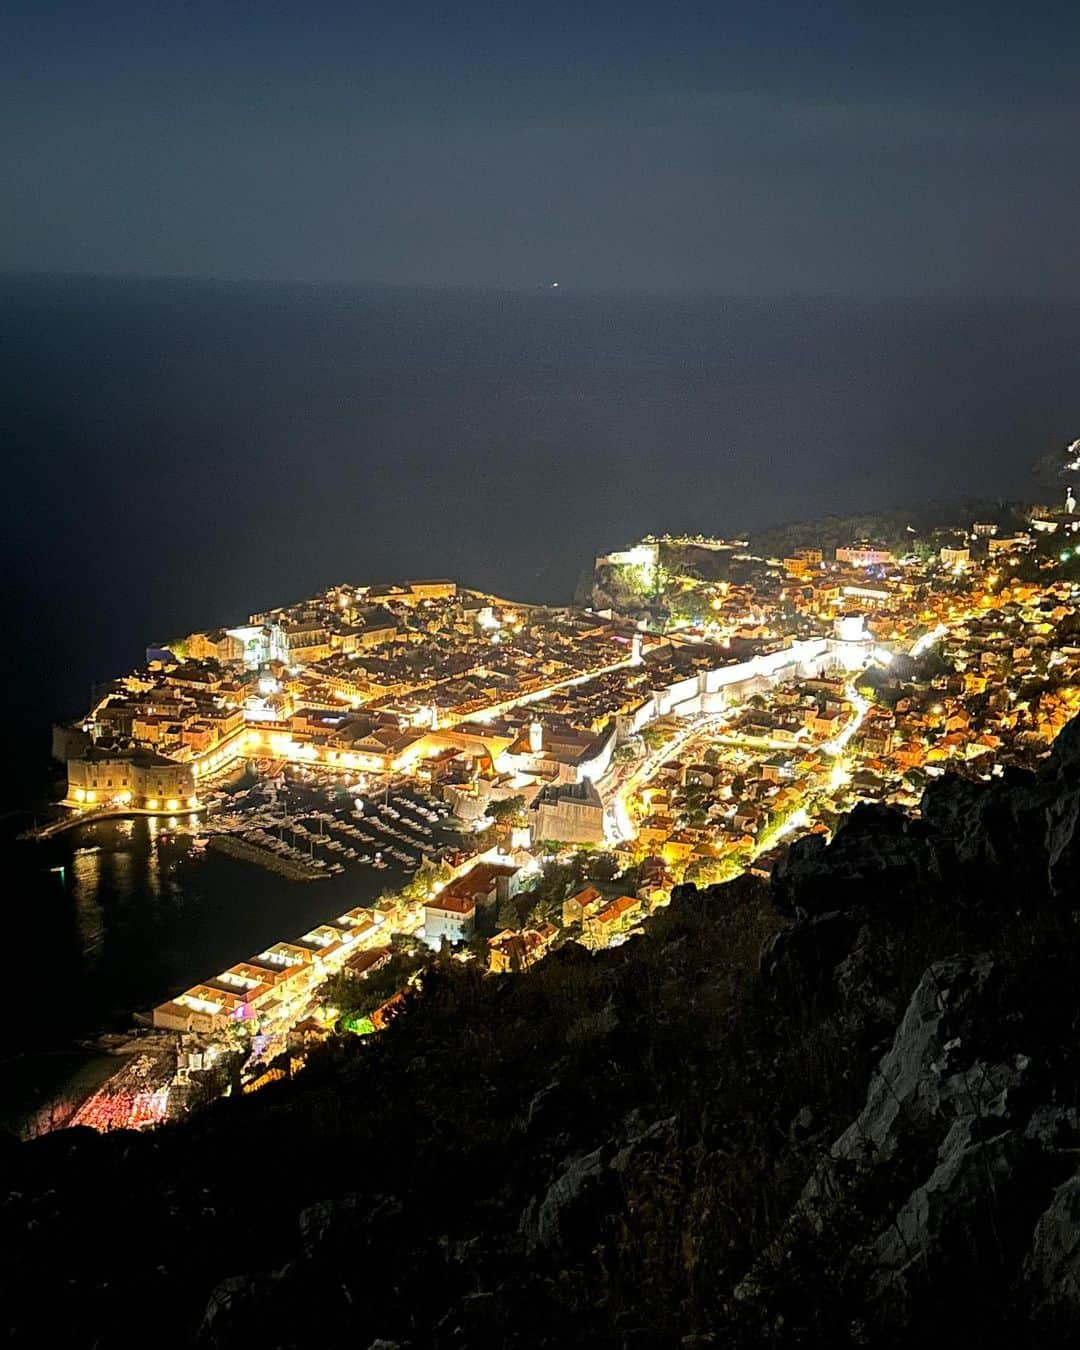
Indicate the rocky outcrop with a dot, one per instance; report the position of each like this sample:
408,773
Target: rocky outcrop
588,1186
920,1086
1052,1267
877,856
959,1164
961,1152
955,1213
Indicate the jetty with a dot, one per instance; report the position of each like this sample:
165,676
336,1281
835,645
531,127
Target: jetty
264,857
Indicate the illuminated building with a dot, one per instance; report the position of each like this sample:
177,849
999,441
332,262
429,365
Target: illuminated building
138,779
253,645
615,917
511,951
431,590
868,597
261,644
851,628
864,556
451,917
308,643
571,813
216,645
452,913
580,906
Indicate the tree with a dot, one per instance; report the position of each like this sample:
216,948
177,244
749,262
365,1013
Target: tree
708,871
510,811
507,915
654,737
433,875
416,888
403,944
485,839
552,886
355,996
479,949
603,867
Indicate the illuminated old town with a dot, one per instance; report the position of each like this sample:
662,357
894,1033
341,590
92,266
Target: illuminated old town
528,776
540,676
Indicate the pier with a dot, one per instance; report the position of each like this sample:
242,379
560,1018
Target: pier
264,857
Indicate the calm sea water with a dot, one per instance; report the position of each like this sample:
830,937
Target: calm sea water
134,916
178,454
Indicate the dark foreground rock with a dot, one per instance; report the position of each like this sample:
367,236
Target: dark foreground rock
841,1112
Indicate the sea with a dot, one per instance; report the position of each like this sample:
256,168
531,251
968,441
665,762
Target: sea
106,920
179,454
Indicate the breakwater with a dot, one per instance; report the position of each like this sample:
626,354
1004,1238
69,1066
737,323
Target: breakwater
264,857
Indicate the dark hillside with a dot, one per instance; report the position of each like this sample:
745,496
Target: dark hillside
840,1111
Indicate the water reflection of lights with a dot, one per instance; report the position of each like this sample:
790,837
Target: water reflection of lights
85,883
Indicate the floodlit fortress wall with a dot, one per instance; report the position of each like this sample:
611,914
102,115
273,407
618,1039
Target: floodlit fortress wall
139,779
713,690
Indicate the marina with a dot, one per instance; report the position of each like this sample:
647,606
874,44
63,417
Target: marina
306,830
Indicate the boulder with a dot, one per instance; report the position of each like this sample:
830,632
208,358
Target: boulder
327,1225
544,1223
231,1306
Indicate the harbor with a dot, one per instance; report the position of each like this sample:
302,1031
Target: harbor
309,825
140,907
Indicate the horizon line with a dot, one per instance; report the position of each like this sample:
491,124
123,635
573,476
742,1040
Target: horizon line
554,287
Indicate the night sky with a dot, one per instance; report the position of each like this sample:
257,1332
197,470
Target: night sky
755,149
276,304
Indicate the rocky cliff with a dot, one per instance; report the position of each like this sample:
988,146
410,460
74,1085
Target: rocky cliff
843,1109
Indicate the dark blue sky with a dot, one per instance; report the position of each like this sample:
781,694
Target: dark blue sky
755,149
